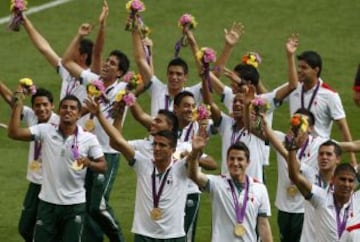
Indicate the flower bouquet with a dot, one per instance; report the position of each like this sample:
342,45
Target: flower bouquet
202,112
258,106
95,89
298,124
16,8
123,97
27,86
206,56
251,58
133,80
185,21
134,7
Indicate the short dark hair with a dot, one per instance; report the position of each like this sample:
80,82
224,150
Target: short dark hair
72,98
179,97
86,47
239,146
308,113
312,58
124,62
248,73
42,92
344,167
171,119
337,148
177,61
170,135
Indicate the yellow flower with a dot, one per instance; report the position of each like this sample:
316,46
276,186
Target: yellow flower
93,91
119,96
26,82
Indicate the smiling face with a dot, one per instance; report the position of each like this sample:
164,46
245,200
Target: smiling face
184,110
69,112
237,162
110,69
238,105
159,123
176,78
42,108
162,149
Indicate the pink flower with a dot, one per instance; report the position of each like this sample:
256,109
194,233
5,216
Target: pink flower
129,99
187,19
135,5
209,55
99,85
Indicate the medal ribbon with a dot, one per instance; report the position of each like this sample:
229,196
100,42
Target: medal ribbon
235,139
167,102
188,131
303,148
70,88
37,149
156,196
240,212
341,224
312,97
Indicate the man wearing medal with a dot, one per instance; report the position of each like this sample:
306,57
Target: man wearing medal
317,96
162,95
161,188
239,202
40,112
184,103
61,208
334,206
112,69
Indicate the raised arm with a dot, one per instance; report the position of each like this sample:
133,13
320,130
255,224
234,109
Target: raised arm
350,146
207,97
198,144
140,115
100,40
41,43
215,82
6,93
295,175
114,134
146,70
346,136
15,131
232,37
69,58
291,47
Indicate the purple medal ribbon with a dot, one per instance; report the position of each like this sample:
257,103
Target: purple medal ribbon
37,149
341,224
156,196
70,89
240,211
235,139
188,131
303,148
312,97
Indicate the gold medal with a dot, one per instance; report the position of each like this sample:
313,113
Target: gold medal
155,214
292,190
35,165
239,230
89,125
76,167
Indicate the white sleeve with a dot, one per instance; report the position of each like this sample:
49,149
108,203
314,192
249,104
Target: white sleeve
318,196
95,150
265,207
336,108
87,77
155,86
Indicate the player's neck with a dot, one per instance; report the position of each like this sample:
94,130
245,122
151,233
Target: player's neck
67,129
310,84
161,166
